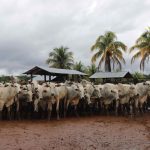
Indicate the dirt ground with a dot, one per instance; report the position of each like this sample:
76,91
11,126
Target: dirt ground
85,133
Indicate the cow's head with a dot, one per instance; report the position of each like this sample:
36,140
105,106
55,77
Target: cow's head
97,92
114,93
87,96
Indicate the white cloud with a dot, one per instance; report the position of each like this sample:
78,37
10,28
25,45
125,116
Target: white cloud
31,29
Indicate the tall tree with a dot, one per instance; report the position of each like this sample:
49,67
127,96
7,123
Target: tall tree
142,46
109,51
60,58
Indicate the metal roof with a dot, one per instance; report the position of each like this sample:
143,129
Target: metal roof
122,74
52,71
65,71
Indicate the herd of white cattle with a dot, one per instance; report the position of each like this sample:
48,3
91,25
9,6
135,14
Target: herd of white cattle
124,98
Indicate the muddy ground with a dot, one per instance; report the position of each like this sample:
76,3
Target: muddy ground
85,133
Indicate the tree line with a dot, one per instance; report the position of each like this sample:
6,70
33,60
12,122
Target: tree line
108,51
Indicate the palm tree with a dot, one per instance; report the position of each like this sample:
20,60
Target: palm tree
91,69
79,66
109,50
143,46
60,58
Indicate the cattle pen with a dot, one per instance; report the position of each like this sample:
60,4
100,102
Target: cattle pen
82,115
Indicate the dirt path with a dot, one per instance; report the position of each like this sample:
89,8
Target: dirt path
90,133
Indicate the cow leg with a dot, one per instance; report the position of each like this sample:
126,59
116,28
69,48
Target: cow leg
18,115
65,101
131,110
116,108
17,110
125,110
145,106
84,107
136,106
57,109
91,109
1,108
136,111
75,109
122,109
13,109
106,109
49,114
0,114
96,106
66,109
36,108
49,110
8,113
42,107
141,108
30,109
102,108
131,102
99,107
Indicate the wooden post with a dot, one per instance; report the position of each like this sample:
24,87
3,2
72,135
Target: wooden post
49,78
31,77
45,78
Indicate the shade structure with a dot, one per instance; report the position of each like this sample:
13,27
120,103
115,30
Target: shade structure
105,75
52,71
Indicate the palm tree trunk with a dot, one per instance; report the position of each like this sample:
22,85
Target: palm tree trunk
107,64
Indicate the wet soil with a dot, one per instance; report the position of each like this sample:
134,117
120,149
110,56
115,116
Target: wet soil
84,133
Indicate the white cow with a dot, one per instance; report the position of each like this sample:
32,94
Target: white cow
38,99
62,92
50,97
81,90
126,94
143,92
109,94
92,95
24,101
73,97
52,93
8,92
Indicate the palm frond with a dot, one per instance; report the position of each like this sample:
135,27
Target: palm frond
137,55
96,55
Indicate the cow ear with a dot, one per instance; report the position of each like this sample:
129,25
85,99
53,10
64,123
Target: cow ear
144,83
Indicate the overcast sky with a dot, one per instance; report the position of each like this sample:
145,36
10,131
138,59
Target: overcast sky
30,29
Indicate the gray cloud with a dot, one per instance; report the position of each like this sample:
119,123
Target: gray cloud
31,29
